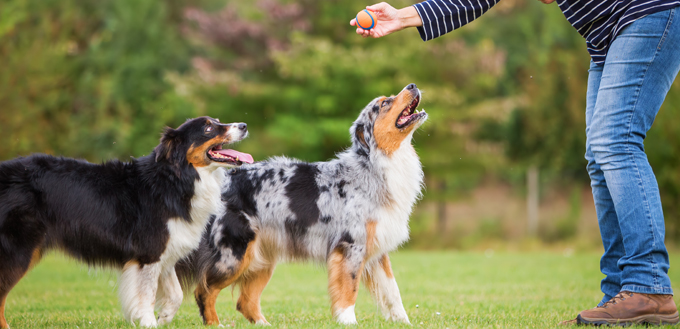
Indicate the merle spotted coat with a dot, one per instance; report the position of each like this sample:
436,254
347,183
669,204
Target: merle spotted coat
347,213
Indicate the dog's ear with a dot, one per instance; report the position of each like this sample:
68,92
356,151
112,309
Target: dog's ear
165,148
360,138
168,148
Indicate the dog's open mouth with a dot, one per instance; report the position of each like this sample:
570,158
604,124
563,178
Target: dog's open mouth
237,158
409,114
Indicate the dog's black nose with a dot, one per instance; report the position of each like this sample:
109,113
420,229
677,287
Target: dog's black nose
411,86
242,126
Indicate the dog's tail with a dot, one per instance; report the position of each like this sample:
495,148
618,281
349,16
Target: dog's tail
187,272
193,270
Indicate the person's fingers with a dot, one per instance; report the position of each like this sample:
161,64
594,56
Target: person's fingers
378,7
353,22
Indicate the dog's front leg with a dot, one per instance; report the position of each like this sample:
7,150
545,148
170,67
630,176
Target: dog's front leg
345,265
169,296
138,285
380,282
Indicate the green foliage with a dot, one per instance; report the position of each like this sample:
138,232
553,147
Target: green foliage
87,78
99,79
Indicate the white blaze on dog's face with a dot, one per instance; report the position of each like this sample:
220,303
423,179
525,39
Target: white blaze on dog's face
207,150
387,121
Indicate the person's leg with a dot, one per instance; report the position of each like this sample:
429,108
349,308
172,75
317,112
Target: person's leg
610,231
640,67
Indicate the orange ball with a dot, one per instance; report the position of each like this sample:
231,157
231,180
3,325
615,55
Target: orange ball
366,19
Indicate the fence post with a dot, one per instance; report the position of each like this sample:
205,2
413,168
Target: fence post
441,208
532,200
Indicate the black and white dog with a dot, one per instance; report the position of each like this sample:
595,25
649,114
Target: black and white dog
347,213
141,216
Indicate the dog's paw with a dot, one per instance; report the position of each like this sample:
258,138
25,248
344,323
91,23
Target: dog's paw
148,321
396,314
402,319
346,316
262,322
164,320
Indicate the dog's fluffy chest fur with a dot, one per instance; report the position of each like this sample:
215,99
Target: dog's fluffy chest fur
185,236
403,181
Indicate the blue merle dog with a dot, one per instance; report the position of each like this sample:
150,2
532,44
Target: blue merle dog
347,213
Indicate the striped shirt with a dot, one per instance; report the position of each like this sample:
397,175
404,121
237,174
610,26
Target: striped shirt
599,22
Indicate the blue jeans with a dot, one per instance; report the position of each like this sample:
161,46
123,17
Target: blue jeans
624,96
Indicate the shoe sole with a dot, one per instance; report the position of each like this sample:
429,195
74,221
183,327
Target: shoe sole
652,319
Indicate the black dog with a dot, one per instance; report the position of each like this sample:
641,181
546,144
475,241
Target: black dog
141,216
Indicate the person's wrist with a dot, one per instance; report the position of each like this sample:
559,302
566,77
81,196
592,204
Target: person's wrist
409,17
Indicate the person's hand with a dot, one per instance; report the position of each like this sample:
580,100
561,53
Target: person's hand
389,20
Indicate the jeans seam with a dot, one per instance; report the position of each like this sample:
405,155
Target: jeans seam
637,169
665,32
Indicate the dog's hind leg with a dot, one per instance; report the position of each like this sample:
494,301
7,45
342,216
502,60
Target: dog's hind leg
21,242
221,274
345,265
137,291
380,282
206,297
169,296
3,299
251,286
13,268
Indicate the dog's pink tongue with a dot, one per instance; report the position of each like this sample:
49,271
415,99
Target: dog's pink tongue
243,157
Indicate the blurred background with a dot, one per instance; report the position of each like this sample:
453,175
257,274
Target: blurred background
502,151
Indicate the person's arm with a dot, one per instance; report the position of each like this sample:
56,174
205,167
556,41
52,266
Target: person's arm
440,17
433,18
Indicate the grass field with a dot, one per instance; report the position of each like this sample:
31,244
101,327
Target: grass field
439,290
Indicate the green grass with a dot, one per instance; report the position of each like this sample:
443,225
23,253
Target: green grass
468,289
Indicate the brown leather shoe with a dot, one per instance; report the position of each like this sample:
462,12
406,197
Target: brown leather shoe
628,308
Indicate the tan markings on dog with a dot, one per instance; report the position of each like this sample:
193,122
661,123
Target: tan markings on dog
387,136
370,238
208,292
386,266
372,277
13,273
343,286
35,258
251,287
198,154
369,281
130,264
208,297
3,322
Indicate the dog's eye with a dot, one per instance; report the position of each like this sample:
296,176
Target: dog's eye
385,102
208,129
